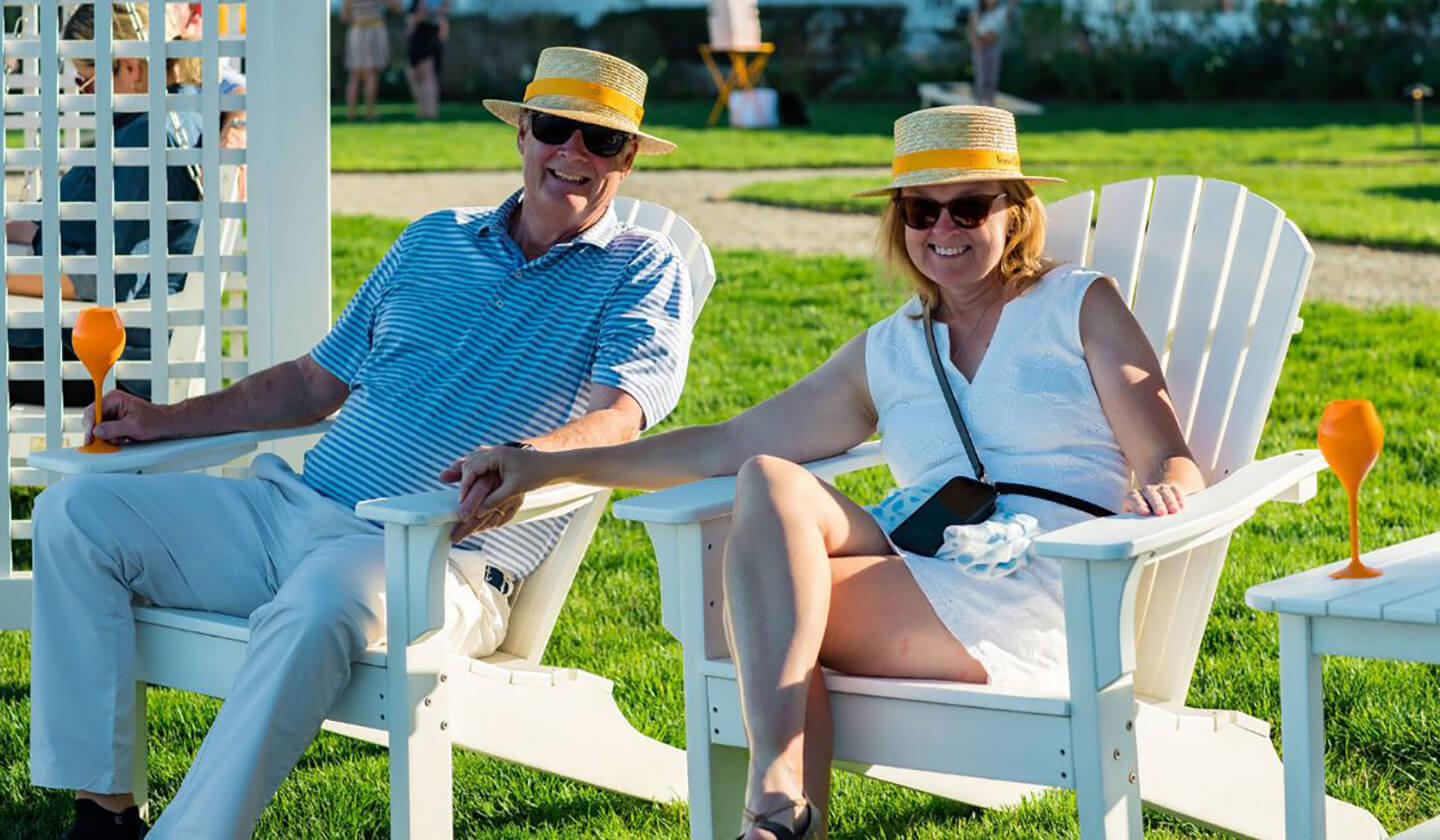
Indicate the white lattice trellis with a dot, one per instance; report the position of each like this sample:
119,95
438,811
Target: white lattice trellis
229,319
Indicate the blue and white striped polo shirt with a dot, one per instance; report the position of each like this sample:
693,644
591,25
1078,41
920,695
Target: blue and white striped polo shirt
456,340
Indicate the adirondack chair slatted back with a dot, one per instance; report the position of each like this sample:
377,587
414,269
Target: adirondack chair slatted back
1215,276
687,240
197,343
541,596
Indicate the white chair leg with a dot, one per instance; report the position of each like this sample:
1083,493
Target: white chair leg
421,776
139,782
1107,790
717,790
1303,714
1100,628
417,695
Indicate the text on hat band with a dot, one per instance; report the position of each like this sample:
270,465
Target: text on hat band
956,159
600,94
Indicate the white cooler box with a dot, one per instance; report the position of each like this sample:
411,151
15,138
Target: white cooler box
756,108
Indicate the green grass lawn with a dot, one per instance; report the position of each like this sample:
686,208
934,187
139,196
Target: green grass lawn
1386,206
1383,720
469,138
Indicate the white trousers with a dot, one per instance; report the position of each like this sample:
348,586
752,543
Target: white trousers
308,573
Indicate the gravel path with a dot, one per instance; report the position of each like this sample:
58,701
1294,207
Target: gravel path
1349,274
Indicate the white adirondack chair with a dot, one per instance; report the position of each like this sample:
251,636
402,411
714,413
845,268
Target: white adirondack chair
1216,277
409,691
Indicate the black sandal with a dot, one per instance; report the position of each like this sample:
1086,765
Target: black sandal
764,823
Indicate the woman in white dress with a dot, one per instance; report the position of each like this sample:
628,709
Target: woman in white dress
367,50
1057,385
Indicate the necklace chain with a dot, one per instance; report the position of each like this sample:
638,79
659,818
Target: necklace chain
974,328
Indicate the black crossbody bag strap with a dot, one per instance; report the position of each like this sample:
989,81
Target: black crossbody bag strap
959,421
975,464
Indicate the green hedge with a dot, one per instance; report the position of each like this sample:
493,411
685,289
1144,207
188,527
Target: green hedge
1326,49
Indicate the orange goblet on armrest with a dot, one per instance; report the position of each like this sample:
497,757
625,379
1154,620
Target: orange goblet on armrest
1350,437
98,339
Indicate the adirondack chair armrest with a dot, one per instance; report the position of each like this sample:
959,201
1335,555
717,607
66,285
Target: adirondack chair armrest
417,542
710,498
1213,511
167,455
438,507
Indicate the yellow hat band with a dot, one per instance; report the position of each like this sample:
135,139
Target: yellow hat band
600,94
987,159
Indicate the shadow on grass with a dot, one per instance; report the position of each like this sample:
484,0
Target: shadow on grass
14,692
1409,192
936,812
565,816
40,815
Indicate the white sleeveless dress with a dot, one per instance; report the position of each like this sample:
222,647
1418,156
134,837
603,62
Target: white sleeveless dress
1035,418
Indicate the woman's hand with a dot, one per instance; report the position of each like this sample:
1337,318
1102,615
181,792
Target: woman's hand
493,483
1155,499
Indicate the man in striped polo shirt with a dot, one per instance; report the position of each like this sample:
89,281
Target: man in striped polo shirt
543,322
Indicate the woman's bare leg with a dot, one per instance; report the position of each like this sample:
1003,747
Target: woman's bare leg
434,92
372,90
414,82
778,580
819,750
425,95
352,82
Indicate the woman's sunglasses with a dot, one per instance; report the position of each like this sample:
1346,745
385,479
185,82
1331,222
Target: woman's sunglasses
967,211
556,131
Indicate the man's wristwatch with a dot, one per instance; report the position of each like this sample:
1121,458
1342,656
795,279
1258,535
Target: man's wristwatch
518,444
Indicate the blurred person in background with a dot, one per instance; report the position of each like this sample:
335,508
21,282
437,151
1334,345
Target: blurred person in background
428,27
989,19
367,50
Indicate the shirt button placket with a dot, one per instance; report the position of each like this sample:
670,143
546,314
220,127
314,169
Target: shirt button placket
500,299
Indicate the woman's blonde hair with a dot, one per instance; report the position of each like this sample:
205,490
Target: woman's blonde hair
1022,262
129,22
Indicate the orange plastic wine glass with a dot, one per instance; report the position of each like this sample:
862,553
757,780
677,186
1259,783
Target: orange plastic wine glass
98,339
1350,436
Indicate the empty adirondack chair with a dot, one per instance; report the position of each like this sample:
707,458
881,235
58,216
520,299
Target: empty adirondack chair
410,692
1216,277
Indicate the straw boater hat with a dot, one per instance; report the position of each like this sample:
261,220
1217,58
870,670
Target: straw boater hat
587,86
955,144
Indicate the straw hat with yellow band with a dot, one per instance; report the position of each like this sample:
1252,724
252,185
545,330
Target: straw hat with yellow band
590,87
954,144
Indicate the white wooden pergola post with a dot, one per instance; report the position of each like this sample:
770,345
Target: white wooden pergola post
289,260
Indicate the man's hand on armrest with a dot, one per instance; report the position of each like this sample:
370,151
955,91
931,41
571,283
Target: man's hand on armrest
283,396
127,418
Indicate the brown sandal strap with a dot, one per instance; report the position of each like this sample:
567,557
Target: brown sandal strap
781,832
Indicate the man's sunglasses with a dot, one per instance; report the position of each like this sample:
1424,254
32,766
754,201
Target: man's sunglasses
556,131
967,211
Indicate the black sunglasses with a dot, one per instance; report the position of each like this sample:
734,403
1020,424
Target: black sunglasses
556,131
967,211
